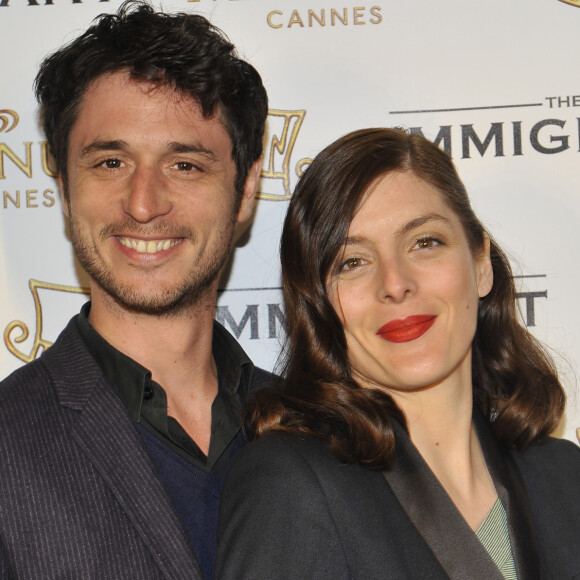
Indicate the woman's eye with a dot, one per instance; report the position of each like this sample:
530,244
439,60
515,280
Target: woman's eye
350,264
427,243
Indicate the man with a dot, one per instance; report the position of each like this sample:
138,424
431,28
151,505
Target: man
114,444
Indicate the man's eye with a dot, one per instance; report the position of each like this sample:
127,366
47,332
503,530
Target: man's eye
112,163
184,166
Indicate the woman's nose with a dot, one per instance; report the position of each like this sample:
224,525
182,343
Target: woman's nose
396,282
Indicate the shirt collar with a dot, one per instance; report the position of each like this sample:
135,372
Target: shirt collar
129,379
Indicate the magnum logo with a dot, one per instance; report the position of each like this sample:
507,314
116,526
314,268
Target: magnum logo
8,120
277,155
39,343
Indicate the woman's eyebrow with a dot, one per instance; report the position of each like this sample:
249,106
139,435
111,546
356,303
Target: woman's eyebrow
355,240
420,221
406,228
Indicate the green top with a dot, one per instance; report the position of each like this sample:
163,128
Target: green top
494,535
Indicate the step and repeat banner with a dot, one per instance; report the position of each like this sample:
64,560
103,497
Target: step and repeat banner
493,83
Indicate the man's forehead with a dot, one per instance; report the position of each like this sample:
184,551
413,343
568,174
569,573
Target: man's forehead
111,86
122,81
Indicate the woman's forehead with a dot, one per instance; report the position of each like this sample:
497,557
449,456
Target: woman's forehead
399,196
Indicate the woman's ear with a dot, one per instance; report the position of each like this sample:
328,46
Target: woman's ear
484,269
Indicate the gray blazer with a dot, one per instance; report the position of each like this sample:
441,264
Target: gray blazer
291,510
79,496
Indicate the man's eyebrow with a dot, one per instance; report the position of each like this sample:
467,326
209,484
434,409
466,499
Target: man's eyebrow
406,228
120,145
99,146
176,147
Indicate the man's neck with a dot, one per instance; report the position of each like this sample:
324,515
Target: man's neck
177,349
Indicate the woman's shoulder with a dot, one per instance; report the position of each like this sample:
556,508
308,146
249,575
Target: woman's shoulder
551,458
276,515
285,452
551,449
281,458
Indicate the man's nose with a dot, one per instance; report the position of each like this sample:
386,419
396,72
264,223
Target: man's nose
148,195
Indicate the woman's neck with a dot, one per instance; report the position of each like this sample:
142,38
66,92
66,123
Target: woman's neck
441,428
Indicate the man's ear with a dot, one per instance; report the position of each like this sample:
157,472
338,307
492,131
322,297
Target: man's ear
250,189
484,269
63,197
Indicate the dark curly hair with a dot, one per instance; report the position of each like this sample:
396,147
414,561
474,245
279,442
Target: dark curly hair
182,51
515,382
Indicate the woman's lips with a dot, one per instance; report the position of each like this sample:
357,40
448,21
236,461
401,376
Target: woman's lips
408,329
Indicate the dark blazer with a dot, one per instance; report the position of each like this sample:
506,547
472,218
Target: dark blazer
291,510
79,495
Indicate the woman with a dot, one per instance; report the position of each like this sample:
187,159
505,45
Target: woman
409,438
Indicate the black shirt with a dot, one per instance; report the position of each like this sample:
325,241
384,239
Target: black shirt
146,400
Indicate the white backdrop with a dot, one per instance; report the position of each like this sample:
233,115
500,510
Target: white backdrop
493,82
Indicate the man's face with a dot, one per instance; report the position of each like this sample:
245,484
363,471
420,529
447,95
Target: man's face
151,196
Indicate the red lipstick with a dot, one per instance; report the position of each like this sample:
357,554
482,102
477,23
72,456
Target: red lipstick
407,329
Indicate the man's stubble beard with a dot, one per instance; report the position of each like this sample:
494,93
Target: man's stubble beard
183,296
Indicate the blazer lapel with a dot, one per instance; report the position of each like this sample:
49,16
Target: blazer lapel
429,508
105,434
512,493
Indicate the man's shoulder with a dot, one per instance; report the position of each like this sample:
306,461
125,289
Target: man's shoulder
261,379
19,382
67,358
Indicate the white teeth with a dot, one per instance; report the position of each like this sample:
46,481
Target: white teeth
150,247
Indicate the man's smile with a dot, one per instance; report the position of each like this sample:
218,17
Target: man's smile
148,246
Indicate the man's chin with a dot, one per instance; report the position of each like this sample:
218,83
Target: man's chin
160,303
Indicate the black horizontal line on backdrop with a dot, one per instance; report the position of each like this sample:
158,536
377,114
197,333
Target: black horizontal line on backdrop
246,289
280,288
466,109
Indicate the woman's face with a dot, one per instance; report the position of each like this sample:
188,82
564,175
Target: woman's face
407,287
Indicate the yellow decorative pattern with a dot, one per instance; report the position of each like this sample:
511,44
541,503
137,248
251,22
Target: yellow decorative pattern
8,120
39,343
283,145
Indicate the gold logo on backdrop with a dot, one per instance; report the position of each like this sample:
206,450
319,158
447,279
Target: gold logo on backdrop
8,120
39,344
578,433
356,16
572,2
285,126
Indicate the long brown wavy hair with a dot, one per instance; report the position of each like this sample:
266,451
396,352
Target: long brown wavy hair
515,382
